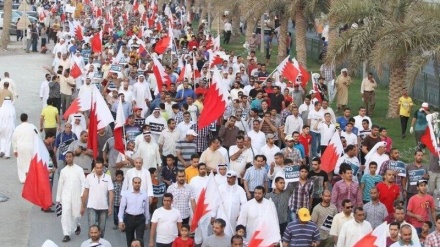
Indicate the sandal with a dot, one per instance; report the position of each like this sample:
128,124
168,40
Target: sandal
78,230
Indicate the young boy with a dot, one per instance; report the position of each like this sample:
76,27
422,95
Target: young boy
240,230
159,189
184,240
368,181
117,186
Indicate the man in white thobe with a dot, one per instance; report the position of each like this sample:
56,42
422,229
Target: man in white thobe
353,230
199,182
378,155
23,146
253,211
7,126
12,86
44,90
140,172
233,197
149,152
70,188
141,94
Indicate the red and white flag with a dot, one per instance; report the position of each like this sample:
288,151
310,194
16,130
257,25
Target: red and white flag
78,29
267,232
118,132
305,75
288,70
428,138
214,59
80,104
215,101
332,153
166,42
36,188
317,92
100,117
135,5
208,203
75,71
162,77
376,238
96,43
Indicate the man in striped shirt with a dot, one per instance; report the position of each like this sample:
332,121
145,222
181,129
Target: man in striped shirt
185,148
301,232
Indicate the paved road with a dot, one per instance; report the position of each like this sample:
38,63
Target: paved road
22,223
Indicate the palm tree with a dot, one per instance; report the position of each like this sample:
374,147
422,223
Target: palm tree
6,23
387,34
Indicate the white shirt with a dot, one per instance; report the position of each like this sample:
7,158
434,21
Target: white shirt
228,26
326,131
99,188
351,138
293,124
258,139
269,152
239,164
314,116
234,197
338,221
198,184
252,212
349,160
166,220
101,241
352,232
358,122
149,152
183,127
168,139
146,184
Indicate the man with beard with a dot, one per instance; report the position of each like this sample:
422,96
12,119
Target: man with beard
280,197
322,215
253,211
395,165
95,238
233,196
184,196
420,205
199,182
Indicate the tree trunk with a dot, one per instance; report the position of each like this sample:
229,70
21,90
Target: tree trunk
6,24
332,32
282,46
397,80
188,10
234,16
300,34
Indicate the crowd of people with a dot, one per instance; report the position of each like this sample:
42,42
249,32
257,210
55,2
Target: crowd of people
264,152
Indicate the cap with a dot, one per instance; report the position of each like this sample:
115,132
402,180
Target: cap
304,214
147,133
137,109
425,105
422,181
191,133
157,109
231,173
194,47
288,138
270,136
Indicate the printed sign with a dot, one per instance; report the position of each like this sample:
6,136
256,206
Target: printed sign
116,68
399,167
156,127
131,132
213,126
327,224
159,190
415,175
355,169
123,61
139,121
291,174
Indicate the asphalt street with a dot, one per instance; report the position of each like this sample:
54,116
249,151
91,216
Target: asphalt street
22,223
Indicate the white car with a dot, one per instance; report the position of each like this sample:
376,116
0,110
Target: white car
15,15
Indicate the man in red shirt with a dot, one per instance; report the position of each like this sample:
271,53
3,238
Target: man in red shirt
305,139
420,205
388,191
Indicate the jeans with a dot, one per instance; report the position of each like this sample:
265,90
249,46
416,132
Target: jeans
34,44
403,123
315,143
164,245
115,215
98,217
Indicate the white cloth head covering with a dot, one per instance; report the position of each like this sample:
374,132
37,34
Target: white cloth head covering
344,70
49,243
372,155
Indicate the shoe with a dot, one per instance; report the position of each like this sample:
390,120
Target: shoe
2,154
49,210
78,230
66,239
115,227
7,158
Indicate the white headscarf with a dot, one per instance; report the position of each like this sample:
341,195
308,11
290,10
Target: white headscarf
372,155
344,70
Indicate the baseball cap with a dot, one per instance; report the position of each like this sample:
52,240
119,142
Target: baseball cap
270,136
422,181
304,214
288,138
191,133
137,109
425,105
231,173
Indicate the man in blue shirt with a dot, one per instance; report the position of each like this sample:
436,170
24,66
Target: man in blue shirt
301,232
62,143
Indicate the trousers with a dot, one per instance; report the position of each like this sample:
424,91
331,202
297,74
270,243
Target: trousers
134,225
